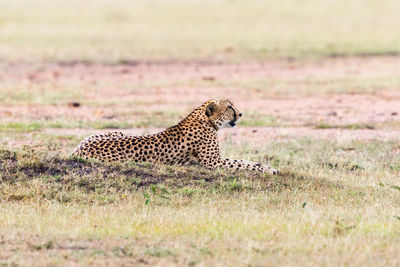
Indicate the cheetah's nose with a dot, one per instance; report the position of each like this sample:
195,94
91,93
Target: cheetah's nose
240,114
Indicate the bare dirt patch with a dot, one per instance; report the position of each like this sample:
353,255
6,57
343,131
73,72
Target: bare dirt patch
349,93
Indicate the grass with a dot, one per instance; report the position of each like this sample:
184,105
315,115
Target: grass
252,120
157,121
333,203
330,202
353,126
128,32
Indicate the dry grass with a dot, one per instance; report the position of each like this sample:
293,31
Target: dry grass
335,202
332,204
122,31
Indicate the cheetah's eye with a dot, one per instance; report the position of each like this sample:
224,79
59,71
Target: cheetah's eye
234,112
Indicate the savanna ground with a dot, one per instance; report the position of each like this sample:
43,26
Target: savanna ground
318,84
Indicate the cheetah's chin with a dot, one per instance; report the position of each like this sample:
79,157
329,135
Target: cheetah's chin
232,124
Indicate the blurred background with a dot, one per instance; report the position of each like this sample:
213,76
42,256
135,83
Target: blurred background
217,30
70,68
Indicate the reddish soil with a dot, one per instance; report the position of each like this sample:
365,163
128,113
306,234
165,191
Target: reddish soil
283,94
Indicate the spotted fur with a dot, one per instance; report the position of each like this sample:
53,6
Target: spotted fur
194,139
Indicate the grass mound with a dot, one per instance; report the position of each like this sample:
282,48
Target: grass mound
67,210
37,174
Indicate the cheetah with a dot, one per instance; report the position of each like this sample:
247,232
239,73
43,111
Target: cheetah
193,140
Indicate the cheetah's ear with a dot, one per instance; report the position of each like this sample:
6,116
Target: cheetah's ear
210,109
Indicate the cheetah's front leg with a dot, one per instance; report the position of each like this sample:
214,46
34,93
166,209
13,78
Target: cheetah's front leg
213,159
235,164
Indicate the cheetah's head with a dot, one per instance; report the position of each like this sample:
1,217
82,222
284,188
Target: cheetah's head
222,113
